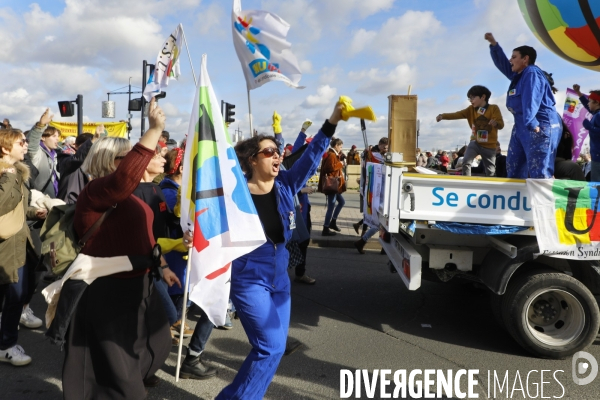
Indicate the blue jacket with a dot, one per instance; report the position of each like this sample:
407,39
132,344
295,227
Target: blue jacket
303,197
289,182
531,100
593,127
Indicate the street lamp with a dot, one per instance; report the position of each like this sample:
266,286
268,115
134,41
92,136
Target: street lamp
108,107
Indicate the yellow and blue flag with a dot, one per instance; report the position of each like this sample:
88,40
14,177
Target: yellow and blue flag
215,203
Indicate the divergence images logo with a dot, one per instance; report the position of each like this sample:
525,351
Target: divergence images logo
581,368
243,26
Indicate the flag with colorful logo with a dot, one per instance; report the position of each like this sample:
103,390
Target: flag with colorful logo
372,193
259,38
574,113
166,65
215,204
565,217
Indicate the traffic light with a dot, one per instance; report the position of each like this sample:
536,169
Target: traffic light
66,108
229,113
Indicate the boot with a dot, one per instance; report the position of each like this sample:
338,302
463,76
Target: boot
356,226
360,244
193,368
364,230
327,232
333,225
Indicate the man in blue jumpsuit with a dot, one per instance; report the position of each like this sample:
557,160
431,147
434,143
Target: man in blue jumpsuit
537,130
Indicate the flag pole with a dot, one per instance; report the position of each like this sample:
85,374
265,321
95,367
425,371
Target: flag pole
250,113
188,52
182,327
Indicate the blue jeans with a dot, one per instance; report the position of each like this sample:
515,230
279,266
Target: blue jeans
14,295
369,233
331,212
162,289
201,333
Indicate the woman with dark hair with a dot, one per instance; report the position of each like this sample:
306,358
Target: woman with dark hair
260,285
332,166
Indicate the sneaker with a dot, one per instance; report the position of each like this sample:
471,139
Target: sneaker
29,320
228,324
174,340
193,368
15,355
187,331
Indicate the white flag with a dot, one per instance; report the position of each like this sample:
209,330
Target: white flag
216,203
265,55
166,65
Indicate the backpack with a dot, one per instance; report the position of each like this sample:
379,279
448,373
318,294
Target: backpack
60,243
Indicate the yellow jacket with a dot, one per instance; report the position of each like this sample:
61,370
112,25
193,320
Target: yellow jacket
479,121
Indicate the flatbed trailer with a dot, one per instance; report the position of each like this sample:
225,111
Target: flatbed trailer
548,305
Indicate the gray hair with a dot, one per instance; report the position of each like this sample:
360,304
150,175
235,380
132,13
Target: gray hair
100,161
70,140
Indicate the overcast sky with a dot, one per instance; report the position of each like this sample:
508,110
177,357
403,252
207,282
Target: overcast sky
53,50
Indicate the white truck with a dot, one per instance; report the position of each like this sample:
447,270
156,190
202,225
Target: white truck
546,304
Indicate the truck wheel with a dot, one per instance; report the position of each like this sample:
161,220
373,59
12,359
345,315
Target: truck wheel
550,314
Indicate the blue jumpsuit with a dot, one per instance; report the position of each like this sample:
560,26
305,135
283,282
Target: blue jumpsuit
531,101
260,285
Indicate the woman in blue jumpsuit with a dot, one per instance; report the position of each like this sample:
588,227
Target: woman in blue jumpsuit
260,285
538,129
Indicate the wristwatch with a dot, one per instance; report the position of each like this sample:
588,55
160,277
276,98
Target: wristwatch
164,266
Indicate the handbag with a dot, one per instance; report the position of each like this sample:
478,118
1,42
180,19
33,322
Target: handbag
295,254
12,222
331,185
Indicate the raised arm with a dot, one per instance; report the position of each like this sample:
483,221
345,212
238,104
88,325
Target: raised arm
498,57
35,134
109,190
307,164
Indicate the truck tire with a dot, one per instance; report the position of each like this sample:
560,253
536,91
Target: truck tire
550,314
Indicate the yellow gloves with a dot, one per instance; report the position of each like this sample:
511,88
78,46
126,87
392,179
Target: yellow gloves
168,245
276,123
306,124
350,112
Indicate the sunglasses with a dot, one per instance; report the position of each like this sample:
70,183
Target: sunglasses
22,142
268,152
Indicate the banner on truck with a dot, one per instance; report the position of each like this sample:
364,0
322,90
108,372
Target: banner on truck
372,193
565,217
574,113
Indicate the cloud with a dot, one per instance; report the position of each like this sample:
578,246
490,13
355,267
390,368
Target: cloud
400,39
324,97
376,81
212,20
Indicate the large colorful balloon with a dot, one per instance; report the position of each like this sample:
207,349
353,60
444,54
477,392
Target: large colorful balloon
569,28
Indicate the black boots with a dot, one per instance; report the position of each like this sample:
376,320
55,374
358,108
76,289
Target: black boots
360,245
327,232
333,225
193,368
356,226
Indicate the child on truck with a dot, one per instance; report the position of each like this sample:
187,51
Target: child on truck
484,119
592,104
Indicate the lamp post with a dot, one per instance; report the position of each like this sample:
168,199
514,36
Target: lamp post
107,106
